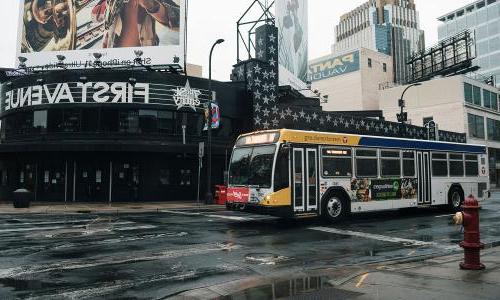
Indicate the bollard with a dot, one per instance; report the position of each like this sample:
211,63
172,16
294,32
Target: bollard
471,243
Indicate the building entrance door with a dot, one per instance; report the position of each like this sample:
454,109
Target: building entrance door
92,182
52,181
125,185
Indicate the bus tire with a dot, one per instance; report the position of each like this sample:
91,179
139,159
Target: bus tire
455,198
334,207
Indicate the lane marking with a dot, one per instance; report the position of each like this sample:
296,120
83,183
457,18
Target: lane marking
361,280
134,227
233,218
383,238
59,227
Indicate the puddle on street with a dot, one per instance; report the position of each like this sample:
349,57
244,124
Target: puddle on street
22,285
298,288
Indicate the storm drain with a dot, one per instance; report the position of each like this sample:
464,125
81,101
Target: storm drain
265,258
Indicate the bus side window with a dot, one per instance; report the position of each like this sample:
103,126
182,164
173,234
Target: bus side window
337,162
439,164
366,163
471,165
281,171
408,164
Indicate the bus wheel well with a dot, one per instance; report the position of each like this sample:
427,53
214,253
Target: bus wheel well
456,186
455,201
339,192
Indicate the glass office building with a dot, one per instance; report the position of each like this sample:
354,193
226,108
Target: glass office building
482,17
388,26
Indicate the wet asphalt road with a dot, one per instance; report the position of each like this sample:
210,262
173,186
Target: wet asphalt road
156,255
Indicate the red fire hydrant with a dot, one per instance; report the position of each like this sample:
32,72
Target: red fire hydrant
471,243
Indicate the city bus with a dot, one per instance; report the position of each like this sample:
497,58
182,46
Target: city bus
293,173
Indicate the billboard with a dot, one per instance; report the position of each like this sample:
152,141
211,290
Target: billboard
292,22
334,66
77,29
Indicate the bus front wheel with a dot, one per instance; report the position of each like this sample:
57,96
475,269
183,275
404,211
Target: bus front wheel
455,199
334,208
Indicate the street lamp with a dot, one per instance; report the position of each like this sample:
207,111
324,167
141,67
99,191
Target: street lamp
209,197
403,117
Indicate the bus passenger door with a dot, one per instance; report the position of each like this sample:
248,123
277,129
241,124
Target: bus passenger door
298,179
312,179
424,178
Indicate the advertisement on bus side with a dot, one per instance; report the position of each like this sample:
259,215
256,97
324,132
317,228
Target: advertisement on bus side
366,190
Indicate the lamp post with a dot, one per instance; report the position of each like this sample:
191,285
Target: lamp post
209,197
403,117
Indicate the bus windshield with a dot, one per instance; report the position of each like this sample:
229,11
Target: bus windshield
252,166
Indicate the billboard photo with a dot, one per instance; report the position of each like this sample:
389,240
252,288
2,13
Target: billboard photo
292,22
114,28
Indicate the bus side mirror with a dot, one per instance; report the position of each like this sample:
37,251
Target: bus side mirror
287,145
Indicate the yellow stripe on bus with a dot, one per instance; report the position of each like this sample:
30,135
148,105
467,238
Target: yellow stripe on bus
280,198
303,137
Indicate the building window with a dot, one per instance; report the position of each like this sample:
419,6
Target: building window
366,163
369,62
129,121
493,127
148,121
426,120
439,165
468,93
337,162
384,66
40,121
490,100
55,120
166,122
476,94
476,126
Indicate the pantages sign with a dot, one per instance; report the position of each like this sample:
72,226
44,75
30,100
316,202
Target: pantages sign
334,66
103,92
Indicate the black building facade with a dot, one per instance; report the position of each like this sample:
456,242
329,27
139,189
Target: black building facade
113,135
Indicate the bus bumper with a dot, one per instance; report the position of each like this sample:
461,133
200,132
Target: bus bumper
277,211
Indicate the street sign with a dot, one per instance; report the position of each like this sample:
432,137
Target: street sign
201,149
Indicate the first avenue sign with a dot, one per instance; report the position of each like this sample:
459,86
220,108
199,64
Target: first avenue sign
102,92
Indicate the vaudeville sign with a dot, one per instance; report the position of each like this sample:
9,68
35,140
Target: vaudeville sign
102,92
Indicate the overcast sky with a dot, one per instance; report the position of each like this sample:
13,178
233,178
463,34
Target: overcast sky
210,20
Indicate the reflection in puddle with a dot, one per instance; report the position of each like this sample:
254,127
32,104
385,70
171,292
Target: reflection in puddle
22,285
312,287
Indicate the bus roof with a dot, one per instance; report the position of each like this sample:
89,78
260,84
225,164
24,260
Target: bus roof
340,139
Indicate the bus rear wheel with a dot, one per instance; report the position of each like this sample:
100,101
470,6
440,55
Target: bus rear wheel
334,208
455,199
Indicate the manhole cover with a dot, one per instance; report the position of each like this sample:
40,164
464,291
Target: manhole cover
265,258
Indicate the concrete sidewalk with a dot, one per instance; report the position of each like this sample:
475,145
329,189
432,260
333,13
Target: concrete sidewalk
430,279
434,278
133,207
